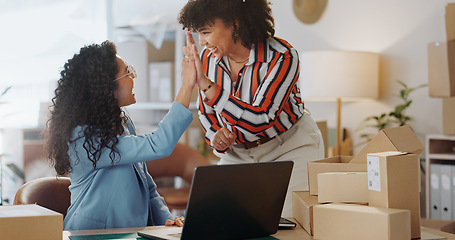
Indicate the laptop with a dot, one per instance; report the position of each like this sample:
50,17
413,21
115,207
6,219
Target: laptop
232,202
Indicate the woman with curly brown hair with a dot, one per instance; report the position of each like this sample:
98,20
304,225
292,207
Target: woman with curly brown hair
249,101
91,138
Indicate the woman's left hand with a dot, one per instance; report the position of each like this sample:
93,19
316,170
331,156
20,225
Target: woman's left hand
178,221
202,80
192,50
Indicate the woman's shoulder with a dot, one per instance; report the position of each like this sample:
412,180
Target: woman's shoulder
279,44
282,47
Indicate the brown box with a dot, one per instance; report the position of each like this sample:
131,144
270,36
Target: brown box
343,187
393,182
401,139
302,209
30,222
448,116
333,164
355,222
450,21
441,69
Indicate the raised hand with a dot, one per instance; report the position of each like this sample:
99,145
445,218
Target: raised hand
189,73
190,49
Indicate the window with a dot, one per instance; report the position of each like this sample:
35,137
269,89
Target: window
38,37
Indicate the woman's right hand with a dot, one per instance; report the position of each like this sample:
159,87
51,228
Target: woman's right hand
191,50
189,72
178,221
189,75
223,139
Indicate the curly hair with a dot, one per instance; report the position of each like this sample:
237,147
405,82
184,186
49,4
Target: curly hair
251,19
85,97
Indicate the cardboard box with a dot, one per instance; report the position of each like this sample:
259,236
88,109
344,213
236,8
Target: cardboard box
448,116
393,182
450,21
333,164
352,222
343,187
30,222
302,209
401,139
441,69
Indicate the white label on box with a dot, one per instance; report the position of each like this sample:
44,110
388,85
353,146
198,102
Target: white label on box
374,176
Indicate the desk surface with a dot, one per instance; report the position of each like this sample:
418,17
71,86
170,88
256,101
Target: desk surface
287,234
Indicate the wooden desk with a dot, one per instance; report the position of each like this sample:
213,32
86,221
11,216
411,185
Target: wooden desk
288,234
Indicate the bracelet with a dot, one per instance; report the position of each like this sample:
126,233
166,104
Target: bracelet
210,86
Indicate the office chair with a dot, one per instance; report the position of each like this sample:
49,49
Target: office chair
48,192
181,163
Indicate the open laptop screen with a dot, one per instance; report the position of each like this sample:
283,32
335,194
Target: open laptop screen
232,202
236,201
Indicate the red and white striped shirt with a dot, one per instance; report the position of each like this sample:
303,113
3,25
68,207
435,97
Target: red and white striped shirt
265,99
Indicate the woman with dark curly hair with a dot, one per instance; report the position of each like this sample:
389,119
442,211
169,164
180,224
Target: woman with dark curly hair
249,101
91,138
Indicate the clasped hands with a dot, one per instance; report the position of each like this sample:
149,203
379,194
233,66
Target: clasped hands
223,139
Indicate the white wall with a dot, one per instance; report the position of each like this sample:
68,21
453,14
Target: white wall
398,30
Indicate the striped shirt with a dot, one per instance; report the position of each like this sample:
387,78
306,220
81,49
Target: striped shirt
265,99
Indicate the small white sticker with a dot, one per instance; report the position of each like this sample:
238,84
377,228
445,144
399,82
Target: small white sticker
374,175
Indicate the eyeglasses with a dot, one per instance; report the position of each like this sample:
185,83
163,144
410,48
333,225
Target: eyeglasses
130,70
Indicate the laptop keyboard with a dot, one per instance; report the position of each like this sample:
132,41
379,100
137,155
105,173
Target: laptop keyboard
177,235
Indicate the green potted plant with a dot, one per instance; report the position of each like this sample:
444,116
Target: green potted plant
395,118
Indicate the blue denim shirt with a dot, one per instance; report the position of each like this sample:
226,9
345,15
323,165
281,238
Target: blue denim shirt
122,195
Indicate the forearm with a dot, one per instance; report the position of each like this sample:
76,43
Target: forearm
204,83
210,125
184,96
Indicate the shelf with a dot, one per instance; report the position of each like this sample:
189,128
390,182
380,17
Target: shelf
442,156
147,32
439,152
441,137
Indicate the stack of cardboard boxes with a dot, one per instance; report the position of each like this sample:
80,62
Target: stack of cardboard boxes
373,195
441,71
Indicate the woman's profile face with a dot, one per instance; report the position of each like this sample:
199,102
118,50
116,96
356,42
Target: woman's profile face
217,37
125,79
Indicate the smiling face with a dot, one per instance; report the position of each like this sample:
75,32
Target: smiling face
217,37
125,79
